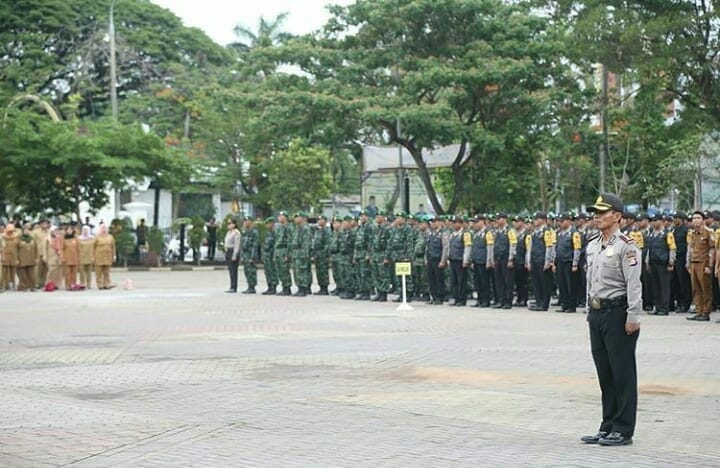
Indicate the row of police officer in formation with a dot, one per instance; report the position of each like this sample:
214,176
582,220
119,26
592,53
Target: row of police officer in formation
501,259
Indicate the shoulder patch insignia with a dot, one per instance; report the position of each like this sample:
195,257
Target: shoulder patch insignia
631,258
626,239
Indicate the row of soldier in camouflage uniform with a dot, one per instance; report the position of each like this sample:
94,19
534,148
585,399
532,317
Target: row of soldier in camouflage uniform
454,255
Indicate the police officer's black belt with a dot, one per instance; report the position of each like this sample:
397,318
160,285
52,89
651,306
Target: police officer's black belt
605,304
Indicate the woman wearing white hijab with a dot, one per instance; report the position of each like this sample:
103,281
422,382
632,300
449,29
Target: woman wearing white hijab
87,245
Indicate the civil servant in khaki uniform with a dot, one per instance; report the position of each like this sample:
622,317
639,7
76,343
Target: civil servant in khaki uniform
614,303
103,254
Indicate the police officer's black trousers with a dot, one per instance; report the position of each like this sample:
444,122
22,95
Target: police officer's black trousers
613,352
521,284
482,283
436,279
682,289
647,294
233,270
542,284
458,281
504,279
567,285
659,277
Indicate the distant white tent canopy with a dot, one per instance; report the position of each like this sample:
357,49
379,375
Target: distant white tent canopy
386,158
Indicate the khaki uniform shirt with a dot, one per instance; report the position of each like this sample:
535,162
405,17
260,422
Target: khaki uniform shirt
613,270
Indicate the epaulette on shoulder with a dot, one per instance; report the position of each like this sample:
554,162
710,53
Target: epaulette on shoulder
626,239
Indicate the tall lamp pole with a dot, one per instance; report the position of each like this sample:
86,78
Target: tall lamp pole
113,71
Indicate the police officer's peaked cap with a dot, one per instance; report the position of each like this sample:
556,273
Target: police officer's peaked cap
479,217
680,215
641,216
501,215
540,215
566,216
698,212
269,219
606,202
716,215
657,217
458,218
583,215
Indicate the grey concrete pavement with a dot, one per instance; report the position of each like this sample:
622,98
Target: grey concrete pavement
177,373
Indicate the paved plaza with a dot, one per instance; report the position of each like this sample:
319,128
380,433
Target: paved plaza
176,373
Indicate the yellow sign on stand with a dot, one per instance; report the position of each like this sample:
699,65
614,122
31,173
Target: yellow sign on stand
403,269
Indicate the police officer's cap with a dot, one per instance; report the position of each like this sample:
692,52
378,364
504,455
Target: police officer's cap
680,215
540,215
458,218
698,212
607,202
657,217
716,215
583,215
567,216
269,219
479,217
501,215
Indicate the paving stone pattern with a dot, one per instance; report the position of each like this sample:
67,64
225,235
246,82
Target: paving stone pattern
177,373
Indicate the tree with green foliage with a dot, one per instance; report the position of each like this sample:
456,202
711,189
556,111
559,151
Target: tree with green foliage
297,177
52,167
477,73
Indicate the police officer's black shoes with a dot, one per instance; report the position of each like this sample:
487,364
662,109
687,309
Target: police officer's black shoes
593,439
270,291
249,291
615,438
300,293
699,318
231,291
284,292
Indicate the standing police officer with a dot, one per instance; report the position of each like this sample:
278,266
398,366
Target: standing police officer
661,254
614,303
504,253
540,259
459,256
481,254
435,258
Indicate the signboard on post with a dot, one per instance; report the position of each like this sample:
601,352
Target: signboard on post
403,269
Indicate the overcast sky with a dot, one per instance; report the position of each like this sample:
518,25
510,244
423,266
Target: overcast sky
218,17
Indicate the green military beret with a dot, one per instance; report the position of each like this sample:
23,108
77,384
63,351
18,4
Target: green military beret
322,216
283,213
269,220
381,213
248,218
348,218
364,212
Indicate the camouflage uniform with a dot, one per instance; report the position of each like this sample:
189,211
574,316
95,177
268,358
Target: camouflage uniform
347,249
321,255
400,249
419,270
301,244
336,256
361,257
381,267
268,258
250,248
283,231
